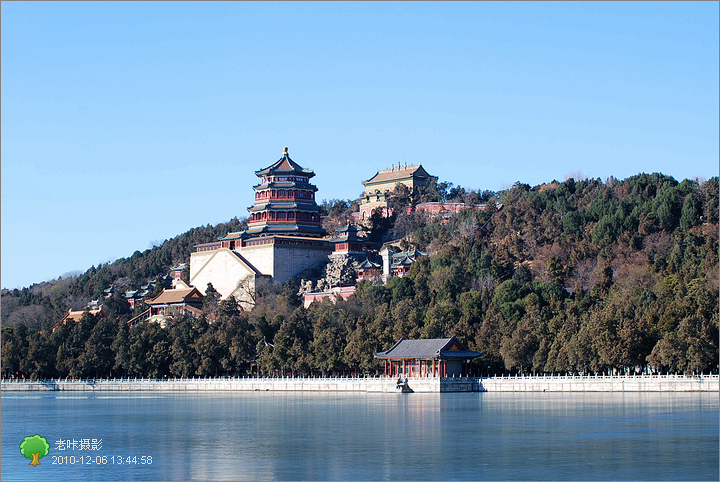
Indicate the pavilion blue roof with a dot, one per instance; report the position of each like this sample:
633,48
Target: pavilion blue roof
430,348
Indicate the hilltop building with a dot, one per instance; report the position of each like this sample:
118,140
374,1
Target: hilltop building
379,187
284,236
285,201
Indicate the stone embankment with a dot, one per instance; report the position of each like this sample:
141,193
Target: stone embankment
616,383
603,383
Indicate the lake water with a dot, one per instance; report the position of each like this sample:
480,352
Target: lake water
350,436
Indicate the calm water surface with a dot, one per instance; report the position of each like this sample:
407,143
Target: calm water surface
341,436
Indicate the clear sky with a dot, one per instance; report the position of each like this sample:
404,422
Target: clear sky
127,123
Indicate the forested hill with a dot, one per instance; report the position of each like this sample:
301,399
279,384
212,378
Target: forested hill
41,305
579,276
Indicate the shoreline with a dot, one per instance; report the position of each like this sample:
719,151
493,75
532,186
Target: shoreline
587,383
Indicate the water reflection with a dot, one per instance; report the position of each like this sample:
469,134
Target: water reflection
346,436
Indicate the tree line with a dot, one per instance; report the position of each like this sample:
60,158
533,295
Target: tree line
575,277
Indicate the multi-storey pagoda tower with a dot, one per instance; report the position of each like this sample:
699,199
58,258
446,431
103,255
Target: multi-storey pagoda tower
285,201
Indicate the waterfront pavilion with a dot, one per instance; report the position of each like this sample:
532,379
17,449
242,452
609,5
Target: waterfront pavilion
435,357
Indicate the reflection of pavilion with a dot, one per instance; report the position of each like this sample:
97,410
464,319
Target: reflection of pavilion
443,357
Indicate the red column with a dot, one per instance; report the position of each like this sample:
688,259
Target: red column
404,369
385,367
444,365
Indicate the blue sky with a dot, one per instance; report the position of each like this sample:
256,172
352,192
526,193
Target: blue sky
131,122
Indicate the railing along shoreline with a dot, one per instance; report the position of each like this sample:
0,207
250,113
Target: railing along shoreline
372,377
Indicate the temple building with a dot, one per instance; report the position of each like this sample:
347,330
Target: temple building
170,303
94,308
333,294
378,188
284,236
347,242
133,297
285,201
397,263
367,270
437,357
177,272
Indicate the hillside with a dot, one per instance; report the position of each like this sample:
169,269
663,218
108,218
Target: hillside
41,305
579,276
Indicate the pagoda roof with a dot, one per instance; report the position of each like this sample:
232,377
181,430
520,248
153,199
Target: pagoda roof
406,261
177,296
283,206
396,174
349,228
285,165
286,185
287,228
430,348
348,233
408,254
367,264
235,235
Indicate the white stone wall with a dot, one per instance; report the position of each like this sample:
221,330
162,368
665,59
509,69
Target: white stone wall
261,257
227,271
222,268
617,383
382,385
283,262
669,383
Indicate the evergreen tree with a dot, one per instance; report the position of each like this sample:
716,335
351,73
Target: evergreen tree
211,301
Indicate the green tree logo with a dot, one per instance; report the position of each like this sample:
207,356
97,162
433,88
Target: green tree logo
35,448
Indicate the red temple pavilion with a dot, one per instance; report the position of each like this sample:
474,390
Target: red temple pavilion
348,241
436,357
